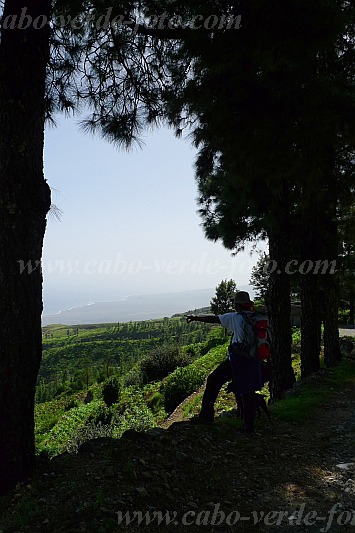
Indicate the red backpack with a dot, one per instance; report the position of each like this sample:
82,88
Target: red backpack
257,335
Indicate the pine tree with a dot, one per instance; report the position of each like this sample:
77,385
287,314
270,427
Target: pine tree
24,203
259,277
223,301
44,69
269,118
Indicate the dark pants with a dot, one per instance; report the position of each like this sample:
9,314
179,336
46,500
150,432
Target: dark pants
215,381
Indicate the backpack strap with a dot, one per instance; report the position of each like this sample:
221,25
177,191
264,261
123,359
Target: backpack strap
247,320
246,317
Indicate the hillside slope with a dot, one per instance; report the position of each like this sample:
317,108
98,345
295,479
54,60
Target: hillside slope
202,473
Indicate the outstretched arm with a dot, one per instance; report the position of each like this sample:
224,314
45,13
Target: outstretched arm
209,319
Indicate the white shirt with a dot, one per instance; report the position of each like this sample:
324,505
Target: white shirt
233,322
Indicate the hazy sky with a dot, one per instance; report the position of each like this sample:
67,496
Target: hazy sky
128,224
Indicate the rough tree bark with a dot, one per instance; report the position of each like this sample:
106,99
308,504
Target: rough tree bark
310,345
310,325
332,353
24,203
279,304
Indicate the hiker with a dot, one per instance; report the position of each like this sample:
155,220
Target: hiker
247,372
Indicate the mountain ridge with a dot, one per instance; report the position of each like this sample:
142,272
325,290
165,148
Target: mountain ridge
135,307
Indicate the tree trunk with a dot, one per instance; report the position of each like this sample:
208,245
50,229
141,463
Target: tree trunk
279,304
310,325
24,203
310,345
332,352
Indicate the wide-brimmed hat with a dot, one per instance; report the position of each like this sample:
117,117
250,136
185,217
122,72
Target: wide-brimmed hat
242,297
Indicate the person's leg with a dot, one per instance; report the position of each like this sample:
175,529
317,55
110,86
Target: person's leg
249,408
238,399
215,380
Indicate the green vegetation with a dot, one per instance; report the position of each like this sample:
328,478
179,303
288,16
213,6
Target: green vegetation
76,357
299,406
141,393
52,437
186,379
223,301
111,391
102,380
162,361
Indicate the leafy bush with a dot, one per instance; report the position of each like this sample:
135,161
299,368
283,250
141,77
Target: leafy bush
88,432
296,340
182,383
161,362
73,402
53,441
46,422
191,350
111,391
155,401
137,416
133,378
102,415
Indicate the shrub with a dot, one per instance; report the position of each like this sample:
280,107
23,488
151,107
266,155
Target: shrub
60,390
137,416
102,415
133,378
88,432
46,422
181,383
296,340
162,361
191,350
71,404
155,401
54,440
111,391
184,381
